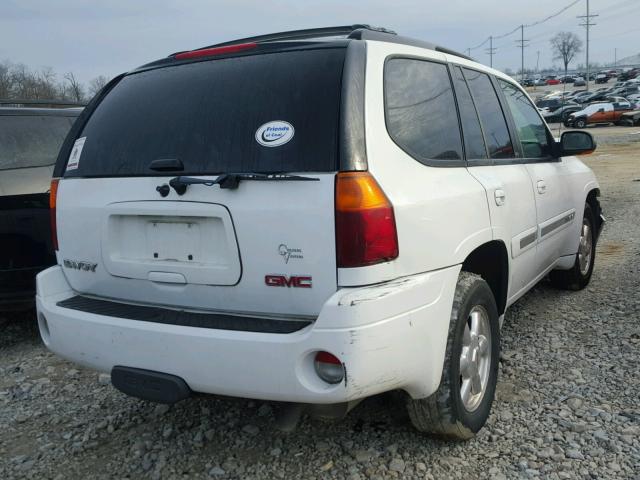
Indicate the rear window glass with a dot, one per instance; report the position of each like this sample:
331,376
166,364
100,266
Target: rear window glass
209,116
31,140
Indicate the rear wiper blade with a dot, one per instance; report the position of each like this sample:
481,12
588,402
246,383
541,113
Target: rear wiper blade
232,180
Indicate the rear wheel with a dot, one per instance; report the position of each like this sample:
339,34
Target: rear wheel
579,275
461,405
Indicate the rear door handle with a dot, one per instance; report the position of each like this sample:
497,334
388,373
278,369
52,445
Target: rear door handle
500,196
542,187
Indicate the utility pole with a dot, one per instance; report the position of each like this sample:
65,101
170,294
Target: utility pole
468,52
491,51
537,60
522,44
615,57
587,23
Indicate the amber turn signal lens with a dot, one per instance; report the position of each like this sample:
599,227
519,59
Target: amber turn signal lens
365,222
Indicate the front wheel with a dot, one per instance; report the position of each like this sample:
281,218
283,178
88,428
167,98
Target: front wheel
580,123
461,405
579,275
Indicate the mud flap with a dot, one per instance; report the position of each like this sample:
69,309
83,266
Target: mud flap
148,385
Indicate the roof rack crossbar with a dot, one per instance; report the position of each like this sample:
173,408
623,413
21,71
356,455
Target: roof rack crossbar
307,34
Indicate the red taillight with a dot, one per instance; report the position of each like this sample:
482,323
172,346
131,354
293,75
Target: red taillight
329,367
208,52
53,194
365,223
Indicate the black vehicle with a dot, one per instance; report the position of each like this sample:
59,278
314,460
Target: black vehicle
551,104
561,114
29,142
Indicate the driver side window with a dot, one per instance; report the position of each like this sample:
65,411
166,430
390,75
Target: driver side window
532,130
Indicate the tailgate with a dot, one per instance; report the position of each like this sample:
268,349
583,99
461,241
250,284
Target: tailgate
265,248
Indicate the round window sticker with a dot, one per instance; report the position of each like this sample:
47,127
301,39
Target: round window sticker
274,134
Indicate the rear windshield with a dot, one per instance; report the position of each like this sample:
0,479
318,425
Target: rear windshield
31,140
273,112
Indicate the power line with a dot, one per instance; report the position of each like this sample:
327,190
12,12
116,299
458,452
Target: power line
554,15
519,27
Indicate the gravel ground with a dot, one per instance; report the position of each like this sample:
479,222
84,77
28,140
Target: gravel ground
567,403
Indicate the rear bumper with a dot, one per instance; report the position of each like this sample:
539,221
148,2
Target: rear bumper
389,336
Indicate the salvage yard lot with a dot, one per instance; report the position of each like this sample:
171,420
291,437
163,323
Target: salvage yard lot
567,402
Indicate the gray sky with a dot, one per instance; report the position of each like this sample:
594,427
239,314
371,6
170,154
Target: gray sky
93,38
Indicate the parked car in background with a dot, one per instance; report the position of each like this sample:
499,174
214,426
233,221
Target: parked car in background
553,81
559,115
579,82
550,104
581,96
374,259
598,113
602,78
539,82
629,74
630,119
567,79
30,139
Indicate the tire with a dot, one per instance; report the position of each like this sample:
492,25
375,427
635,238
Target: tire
580,123
445,413
567,123
578,276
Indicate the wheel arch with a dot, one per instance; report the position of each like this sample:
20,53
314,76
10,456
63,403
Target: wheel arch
491,261
594,203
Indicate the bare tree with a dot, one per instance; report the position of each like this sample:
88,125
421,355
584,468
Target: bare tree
565,45
17,81
75,88
6,83
96,84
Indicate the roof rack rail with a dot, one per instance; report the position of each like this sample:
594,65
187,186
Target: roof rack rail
307,34
24,101
358,31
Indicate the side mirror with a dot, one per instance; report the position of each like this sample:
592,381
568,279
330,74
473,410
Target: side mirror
576,143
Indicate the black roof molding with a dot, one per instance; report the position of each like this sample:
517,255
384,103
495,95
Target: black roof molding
391,37
354,32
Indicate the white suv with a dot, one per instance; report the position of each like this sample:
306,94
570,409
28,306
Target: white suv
311,217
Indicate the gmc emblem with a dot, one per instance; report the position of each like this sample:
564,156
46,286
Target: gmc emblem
294,281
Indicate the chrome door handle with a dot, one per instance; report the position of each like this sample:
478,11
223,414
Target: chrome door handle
500,196
542,186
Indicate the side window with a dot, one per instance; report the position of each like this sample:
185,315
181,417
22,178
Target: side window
496,133
531,128
471,131
420,110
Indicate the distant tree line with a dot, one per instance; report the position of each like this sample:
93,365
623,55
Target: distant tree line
21,82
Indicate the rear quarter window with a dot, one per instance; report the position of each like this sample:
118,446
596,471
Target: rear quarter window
206,114
420,111
31,140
